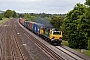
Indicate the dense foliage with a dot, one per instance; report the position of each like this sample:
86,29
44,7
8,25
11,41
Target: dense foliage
28,17
75,25
57,21
10,13
88,2
88,20
14,14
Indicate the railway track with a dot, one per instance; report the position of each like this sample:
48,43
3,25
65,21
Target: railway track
69,53
76,53
51,53
11,48
2,28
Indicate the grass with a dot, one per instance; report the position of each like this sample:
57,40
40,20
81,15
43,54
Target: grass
88,44
3,20
37,58
79,50
65,43
87,52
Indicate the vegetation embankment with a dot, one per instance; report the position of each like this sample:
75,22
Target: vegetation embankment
87,52
3,20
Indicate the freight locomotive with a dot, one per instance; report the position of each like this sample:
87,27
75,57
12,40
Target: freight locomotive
51,34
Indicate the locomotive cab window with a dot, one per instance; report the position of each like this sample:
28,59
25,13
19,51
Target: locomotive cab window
56,33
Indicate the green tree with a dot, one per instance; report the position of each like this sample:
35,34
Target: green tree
14,14
75,26
28,17
56,21
20,15
88,20
8,13
87,2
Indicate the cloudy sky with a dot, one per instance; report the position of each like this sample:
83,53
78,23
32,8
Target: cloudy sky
39,6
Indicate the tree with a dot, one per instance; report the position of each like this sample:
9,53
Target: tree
14,14
29,17
88,20
20,15
56,21
75,25
87,2
8,13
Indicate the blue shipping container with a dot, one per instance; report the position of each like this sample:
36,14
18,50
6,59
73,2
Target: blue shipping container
37,27
26,24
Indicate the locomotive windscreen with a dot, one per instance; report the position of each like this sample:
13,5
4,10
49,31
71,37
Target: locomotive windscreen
56,33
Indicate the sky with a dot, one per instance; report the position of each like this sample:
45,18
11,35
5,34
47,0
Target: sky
39,6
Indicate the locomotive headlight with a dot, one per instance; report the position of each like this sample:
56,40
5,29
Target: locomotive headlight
60,39
52,39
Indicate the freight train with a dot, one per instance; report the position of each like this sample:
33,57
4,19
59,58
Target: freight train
47,33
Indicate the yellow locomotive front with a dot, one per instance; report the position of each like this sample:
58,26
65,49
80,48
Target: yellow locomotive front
55,36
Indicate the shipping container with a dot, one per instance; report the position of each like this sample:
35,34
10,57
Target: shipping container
38,28
31,25
26,24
